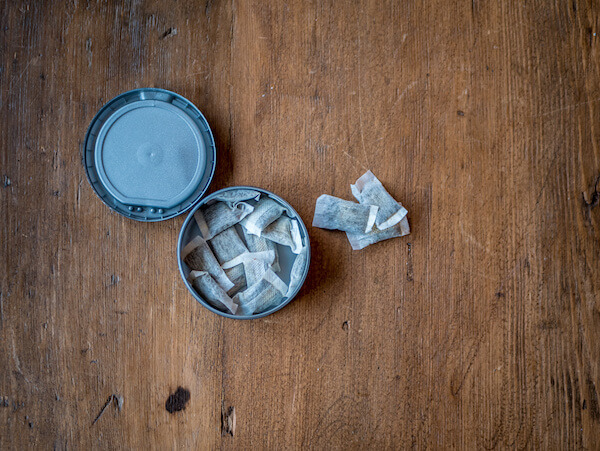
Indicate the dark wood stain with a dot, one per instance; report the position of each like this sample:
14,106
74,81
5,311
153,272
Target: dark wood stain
177,401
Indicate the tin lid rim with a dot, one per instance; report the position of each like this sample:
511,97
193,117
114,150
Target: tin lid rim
92,172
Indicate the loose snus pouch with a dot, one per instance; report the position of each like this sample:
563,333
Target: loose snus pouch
381,215
199,257
236,257
298,270
368,190
220,216
263,295
212,292
266,211
228,245
339,214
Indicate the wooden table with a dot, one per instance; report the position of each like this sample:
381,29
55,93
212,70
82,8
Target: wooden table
481,329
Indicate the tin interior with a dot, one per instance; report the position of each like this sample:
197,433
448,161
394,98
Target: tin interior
286,256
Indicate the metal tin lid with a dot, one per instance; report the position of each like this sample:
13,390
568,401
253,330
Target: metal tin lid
149,154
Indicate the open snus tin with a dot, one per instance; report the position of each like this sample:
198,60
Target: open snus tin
243,252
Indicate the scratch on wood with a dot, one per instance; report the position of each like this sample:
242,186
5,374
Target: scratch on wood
169,33
33,60
409,264
568,107
471,239
544,183
19,372
355,159
78,192
116,399
403,93
474,350
88,51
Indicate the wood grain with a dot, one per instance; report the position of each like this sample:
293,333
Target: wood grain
481,329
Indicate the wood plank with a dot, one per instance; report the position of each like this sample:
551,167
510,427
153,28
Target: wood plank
480,329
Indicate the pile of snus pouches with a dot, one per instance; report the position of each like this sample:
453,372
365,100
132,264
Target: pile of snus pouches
243,276
377,216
